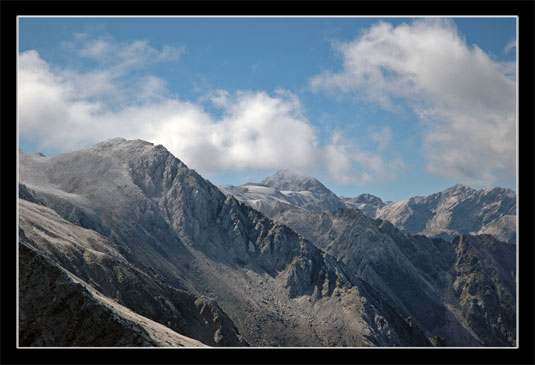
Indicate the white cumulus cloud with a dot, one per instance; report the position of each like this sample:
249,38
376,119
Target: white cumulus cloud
465,99
64,109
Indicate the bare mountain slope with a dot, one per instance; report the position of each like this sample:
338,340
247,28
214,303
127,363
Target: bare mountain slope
457,210
164,219
414,272
59,309
417,274
283,190
96,262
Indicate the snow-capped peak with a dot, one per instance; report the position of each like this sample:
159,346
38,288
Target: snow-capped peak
286,180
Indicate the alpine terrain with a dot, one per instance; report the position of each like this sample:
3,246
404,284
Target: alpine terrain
121,244
419,275
447,214
457,210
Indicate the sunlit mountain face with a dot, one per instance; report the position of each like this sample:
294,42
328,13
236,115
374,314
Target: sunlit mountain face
165,258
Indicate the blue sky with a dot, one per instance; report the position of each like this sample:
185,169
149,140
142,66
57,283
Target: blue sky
395,107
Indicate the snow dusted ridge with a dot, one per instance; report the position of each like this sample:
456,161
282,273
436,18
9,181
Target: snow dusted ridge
456,210
144,231
429,273
285,190
101,320
196,261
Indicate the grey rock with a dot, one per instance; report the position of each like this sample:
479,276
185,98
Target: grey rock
415,273
57,309
96,260
484,280
367,203
164,218
457,210
303,191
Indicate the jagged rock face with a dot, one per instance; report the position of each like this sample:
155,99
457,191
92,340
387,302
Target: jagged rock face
416,273
57,309
303,191
484,280
475,276
457,210
96,260
412,271
164,219
372,254
367,203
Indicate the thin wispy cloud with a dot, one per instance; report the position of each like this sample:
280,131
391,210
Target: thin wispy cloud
465,100
348,163
382,136
509,46
125,55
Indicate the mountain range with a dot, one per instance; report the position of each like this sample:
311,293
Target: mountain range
121,244
447,214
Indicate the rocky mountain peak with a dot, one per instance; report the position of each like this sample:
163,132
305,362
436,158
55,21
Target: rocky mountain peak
285,190
209,267
458,189
367,198
286,180
129,149
178,232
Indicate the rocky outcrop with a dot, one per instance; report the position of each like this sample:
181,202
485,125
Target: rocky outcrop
367,203
412,271
164,219
484,279
57,309
457,210
415,273
96,260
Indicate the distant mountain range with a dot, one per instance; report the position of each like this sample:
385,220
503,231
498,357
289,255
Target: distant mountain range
455,211
121,244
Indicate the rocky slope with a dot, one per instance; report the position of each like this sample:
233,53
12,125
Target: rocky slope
454,211
367,203
483,278
421,276
416,273
59,309
181,238
95,262
285,190
457,210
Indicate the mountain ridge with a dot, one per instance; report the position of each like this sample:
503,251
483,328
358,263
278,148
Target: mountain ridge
457,210
185,230
353,237
276,287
